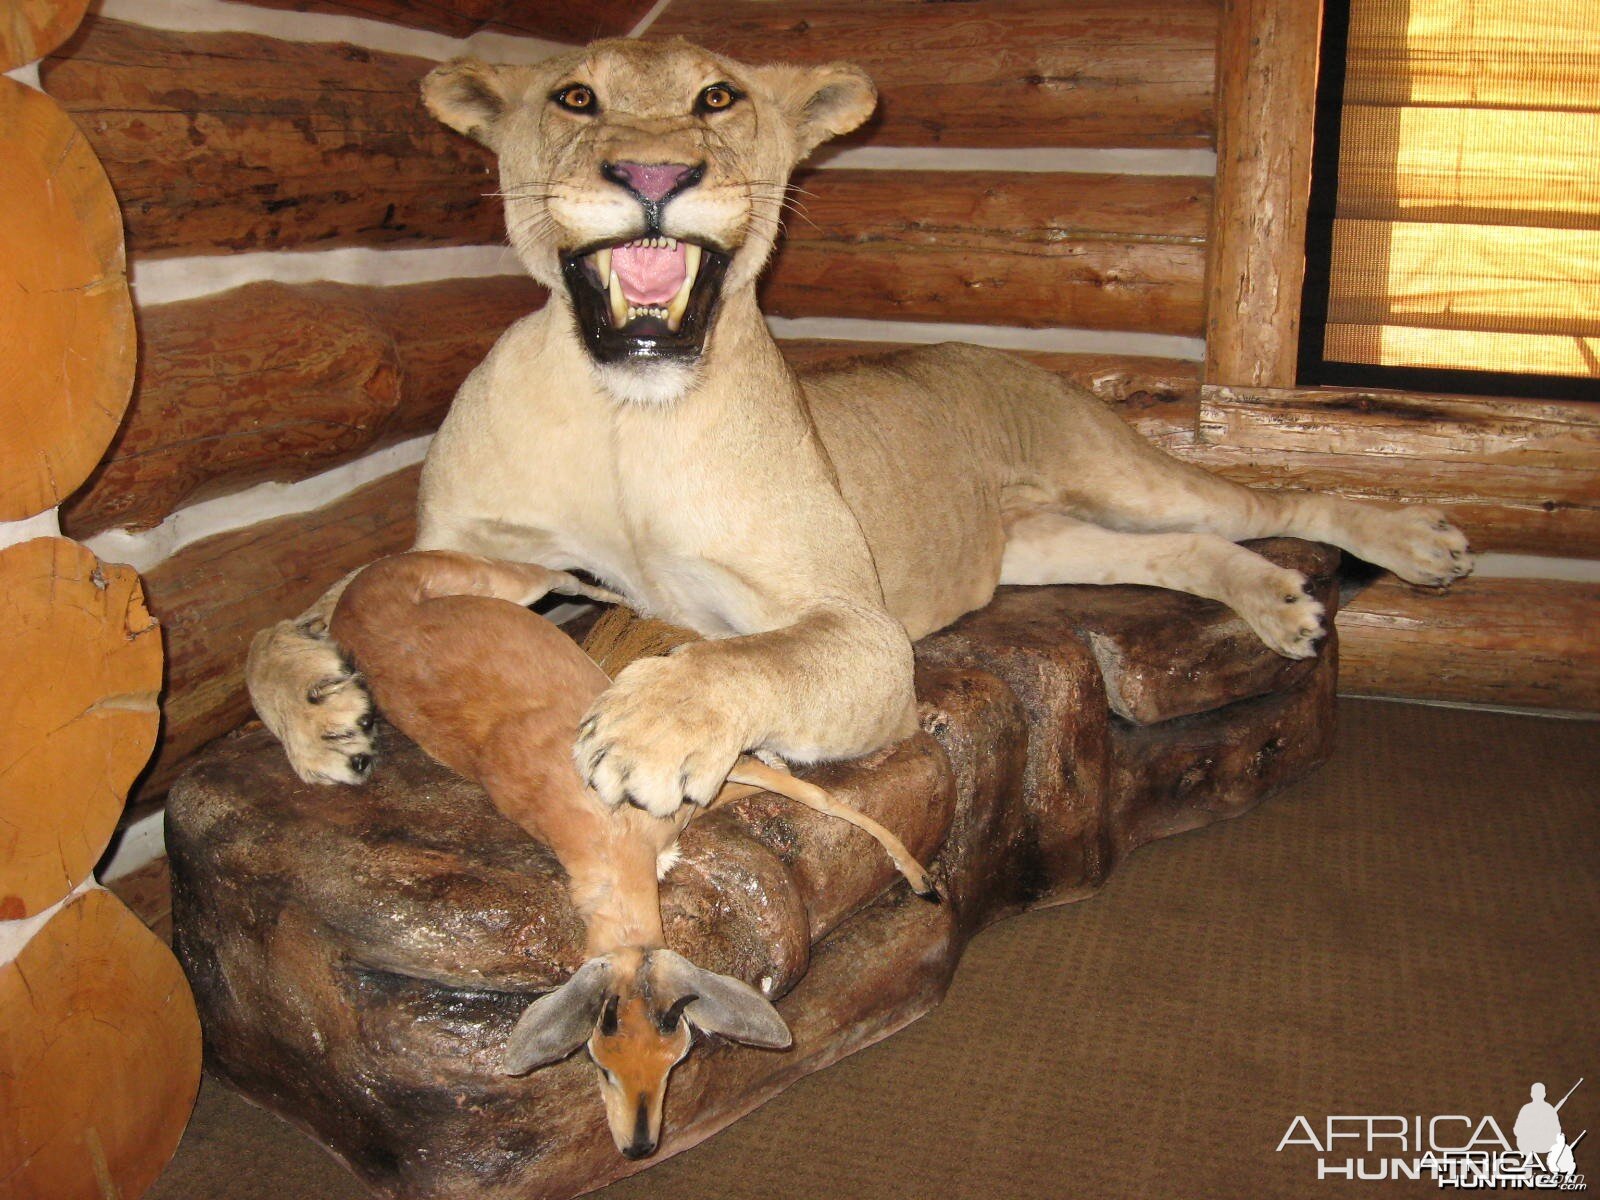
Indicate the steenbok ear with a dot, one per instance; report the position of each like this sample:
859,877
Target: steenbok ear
719,1004
821,102
558,1022
471,96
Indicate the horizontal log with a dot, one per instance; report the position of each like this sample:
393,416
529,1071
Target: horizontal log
1526,643
273,382
1160,397
1516,475
574,21
213,596
1469,429
224,142
992,72
996,248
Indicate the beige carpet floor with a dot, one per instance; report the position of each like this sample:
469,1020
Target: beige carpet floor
1415,930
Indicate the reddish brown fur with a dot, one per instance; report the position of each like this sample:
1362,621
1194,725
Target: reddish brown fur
495,692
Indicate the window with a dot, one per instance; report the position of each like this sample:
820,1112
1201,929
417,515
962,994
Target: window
1453,241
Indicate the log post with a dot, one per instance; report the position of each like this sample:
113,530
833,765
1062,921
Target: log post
1266,102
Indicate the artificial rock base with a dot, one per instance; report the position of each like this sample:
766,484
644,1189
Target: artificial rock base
359,955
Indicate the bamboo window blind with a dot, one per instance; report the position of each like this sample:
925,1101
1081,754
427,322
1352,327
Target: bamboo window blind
1459,233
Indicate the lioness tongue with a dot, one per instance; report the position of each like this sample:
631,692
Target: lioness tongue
649,274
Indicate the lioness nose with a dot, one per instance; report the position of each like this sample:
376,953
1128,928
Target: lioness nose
653,182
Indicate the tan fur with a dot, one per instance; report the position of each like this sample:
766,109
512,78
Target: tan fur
807,528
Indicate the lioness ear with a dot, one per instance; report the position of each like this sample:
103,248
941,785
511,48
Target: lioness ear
822,102
471,96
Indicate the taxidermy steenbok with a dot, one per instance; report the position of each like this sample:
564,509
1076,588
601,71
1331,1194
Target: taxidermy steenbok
495,692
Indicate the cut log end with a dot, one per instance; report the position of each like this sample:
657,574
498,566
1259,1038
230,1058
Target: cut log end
30,29
81,726
66,310
101,1062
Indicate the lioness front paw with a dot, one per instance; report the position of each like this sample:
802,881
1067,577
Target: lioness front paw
1419,544
652,739
307,694
1284,614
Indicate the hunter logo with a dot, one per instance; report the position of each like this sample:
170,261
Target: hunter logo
1453,1150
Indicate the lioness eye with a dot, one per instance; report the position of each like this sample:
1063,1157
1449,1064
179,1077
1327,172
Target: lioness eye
717,96
577,98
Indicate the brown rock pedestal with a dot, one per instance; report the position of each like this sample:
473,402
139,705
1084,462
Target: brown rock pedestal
359,955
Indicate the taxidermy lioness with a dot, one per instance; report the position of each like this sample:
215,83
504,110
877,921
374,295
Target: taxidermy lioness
644,428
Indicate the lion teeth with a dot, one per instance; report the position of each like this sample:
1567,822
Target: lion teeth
602,262
619,302
680,302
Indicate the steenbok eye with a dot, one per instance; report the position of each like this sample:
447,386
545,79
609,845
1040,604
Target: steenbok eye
577,98
716,98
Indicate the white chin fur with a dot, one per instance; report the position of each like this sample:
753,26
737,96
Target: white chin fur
647,383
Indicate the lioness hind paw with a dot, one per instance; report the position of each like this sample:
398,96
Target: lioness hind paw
1419,544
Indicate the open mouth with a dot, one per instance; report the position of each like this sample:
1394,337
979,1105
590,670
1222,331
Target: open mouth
650,298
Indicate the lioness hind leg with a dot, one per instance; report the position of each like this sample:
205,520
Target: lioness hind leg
1150,491
1047,547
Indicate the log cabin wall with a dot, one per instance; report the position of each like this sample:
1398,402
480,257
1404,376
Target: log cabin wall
317,265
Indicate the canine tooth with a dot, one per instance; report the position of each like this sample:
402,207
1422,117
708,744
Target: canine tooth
680,302
619,302
602,262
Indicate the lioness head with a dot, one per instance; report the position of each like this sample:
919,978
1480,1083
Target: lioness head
645,180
